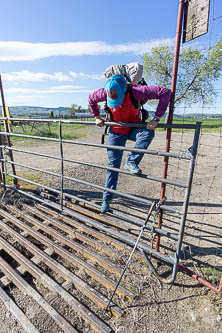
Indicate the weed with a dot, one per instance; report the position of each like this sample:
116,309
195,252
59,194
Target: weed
212,274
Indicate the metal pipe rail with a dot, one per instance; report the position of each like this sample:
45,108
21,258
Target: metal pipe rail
128,196
99,166
143,151
66,121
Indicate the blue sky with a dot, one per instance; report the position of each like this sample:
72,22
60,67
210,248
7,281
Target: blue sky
54,52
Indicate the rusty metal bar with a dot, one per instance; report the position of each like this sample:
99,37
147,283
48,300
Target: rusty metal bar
220,285
95,296
67,255
79,227
200,279
97,235
17,313
27,289
171,110
101,227
124,238
69,242
93,242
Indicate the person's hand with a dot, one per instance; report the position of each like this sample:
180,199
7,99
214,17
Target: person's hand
99,122
152,125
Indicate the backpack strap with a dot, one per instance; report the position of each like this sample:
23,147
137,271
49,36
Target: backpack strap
109,117
138,104
132,98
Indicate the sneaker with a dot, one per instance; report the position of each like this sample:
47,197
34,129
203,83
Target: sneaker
133,168
105,205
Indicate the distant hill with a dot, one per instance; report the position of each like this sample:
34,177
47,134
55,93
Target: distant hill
18,110
60,111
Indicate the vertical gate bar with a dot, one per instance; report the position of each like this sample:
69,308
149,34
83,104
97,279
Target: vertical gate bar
62,163
186,203
188,190
15,180
170,114
2,171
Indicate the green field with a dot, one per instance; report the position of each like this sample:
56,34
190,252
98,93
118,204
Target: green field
51,130
207,124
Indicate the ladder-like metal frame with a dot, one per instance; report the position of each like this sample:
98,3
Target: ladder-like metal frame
162,207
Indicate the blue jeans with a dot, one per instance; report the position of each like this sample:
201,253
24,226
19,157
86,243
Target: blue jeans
141,136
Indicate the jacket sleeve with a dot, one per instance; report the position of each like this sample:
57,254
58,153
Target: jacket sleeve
142,93
94,98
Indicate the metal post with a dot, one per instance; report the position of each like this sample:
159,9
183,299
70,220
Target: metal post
171,110
2,172
7,130
62,163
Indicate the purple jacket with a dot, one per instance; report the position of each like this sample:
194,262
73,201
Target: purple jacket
140,93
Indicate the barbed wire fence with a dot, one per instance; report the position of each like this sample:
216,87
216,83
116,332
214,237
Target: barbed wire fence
202,249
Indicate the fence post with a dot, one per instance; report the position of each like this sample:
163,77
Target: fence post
170,114
7,129
62,163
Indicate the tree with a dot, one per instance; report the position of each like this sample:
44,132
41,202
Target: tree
73,110
99,107
197,73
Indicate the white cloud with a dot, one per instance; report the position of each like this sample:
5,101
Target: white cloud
86,76
67,89
23,51
27,76
52,96
34,77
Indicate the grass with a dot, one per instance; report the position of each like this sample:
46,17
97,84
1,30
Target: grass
69,131
207,124
212,274
30,175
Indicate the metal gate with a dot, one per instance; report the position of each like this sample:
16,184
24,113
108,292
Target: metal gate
152,229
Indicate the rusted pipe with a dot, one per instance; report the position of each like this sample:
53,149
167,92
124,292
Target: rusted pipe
200,279
171,110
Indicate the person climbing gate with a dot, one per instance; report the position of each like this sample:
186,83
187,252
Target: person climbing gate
117,96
